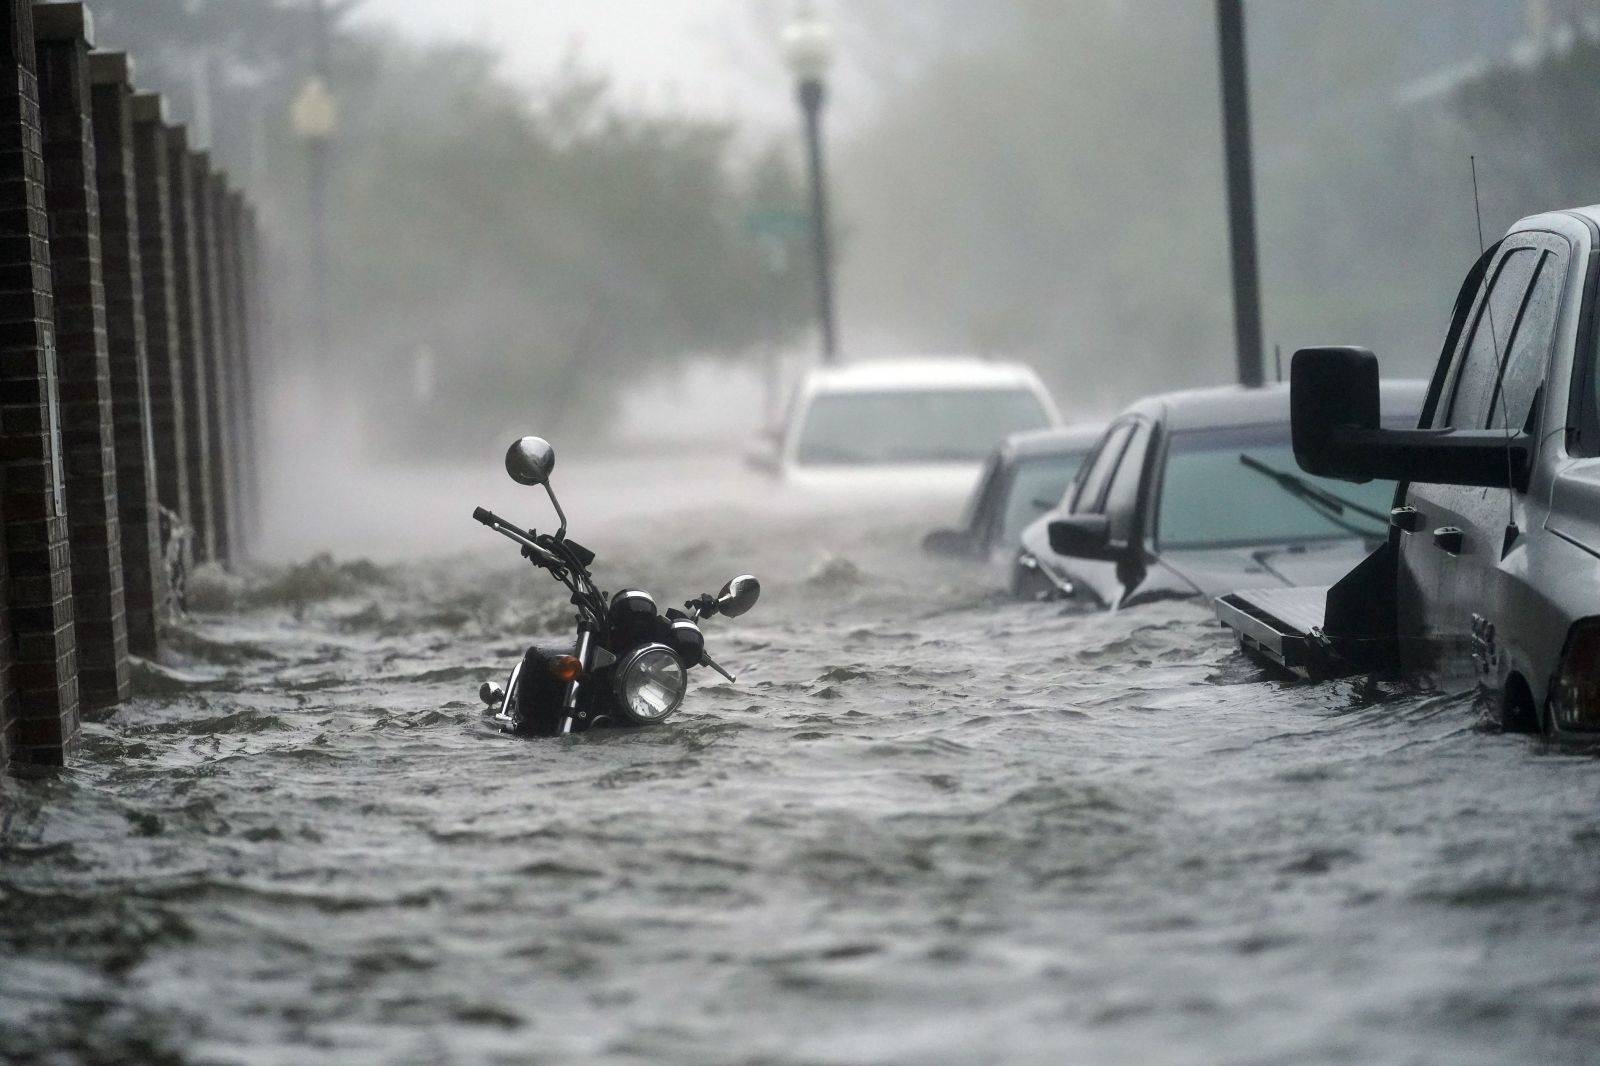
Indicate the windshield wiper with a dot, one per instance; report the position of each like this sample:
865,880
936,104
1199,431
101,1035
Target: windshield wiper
1330,505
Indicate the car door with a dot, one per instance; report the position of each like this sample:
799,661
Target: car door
1090,577
1116,489
1124,507
1450,558
1515,625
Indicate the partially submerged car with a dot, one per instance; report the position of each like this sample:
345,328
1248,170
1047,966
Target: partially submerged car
1489,577
1025,476
913,428
1192,494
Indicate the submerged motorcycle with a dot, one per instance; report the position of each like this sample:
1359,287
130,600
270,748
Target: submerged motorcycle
629,663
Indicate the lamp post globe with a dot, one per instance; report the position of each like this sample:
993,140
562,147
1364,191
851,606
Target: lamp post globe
808,48
314,115
808,44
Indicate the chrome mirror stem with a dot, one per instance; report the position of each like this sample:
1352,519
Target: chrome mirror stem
562,532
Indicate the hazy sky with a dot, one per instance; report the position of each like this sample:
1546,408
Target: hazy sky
708,56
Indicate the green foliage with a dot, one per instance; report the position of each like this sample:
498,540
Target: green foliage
539,247
543,253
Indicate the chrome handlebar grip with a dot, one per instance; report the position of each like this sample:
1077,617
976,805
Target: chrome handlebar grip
506,529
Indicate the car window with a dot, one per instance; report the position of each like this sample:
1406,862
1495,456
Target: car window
1122,498
1092,485
1036,486
914,425
1478,368
1211,498
1524,366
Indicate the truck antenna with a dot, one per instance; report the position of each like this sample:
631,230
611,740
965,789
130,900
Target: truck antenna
1477,208
1496,395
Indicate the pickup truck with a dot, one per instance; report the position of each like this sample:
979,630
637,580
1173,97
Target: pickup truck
1489,580
1191,493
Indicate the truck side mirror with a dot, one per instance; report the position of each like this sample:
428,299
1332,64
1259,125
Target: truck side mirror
1084,536
1331,390
1335,426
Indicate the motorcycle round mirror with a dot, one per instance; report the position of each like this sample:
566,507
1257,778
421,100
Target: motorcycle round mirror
530,461
738,596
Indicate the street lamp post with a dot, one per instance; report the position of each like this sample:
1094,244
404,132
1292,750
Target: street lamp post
808,47
315,118
1241,190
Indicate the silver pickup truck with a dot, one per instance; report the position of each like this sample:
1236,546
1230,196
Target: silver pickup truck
1490,577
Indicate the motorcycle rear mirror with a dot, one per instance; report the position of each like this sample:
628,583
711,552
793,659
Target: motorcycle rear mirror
738,596
530,461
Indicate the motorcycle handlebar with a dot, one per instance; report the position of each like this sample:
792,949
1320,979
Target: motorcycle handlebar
530,550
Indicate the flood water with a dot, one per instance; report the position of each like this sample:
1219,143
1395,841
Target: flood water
927,825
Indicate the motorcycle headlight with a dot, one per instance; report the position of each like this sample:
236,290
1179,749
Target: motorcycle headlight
1575,691
649,684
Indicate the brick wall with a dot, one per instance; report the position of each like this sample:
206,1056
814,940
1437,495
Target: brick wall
121,268
130,328
257,358
83,365
38,674
243,391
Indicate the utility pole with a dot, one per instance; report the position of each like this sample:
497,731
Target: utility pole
1241,190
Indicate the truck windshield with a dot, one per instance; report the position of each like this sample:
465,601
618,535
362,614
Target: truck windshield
1210,499
914,426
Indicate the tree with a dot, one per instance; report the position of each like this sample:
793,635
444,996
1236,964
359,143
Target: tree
499,258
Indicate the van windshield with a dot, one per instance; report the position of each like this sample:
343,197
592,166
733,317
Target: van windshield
1211,499
914,426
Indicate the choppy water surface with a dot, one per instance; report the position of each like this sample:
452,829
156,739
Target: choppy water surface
927,825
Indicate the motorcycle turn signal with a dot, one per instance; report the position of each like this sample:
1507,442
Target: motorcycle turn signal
566,668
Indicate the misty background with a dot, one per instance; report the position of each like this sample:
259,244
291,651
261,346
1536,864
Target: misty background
548,217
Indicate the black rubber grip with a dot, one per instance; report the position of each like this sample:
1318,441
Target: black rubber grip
486,516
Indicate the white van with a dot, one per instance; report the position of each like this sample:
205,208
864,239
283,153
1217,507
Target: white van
919,427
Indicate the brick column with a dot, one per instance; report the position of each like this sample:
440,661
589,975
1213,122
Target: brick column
186,268
137,512
38,670
63,35
242,398
163,343
228,365
208,255
257,357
